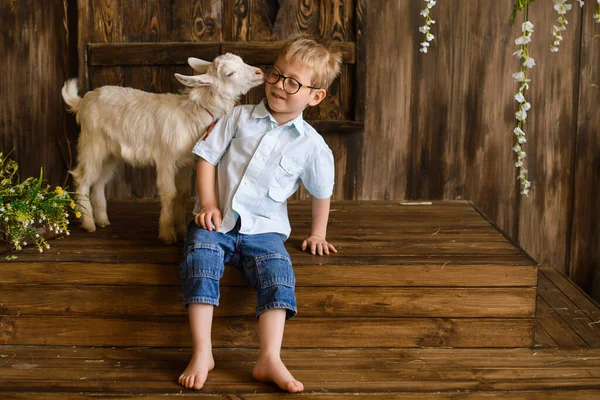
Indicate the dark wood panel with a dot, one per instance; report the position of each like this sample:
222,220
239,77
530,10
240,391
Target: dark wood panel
146,21
34,63
584,249
266,52
103,54
196,21
544,215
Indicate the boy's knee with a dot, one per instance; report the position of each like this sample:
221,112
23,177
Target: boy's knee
200,272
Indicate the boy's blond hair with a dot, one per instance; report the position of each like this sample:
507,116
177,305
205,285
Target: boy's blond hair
315,54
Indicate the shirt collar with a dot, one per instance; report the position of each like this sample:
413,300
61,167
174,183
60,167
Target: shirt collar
261,111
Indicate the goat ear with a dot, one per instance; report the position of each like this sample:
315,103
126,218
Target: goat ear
198,65
196,80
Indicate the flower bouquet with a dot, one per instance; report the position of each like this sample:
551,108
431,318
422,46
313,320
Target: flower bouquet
29,211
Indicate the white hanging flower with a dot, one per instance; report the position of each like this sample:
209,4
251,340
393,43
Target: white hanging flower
426,29
524,106
561,8
521,115
529,62
519,97
527,26
521,77
522,40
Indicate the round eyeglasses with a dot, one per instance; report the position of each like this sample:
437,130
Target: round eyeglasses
290,85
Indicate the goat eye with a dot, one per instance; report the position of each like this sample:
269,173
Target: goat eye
229,75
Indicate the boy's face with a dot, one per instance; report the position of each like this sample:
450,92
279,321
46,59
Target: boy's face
285,105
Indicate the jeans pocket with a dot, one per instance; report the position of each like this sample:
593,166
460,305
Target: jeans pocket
273,270
203,260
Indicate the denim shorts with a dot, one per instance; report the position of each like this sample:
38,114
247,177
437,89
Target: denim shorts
262,257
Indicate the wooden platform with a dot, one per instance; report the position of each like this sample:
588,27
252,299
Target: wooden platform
420,298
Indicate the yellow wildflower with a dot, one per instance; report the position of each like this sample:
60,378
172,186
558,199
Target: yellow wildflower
72,205
59,190
78,214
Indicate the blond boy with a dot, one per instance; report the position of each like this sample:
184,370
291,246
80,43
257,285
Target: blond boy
263,152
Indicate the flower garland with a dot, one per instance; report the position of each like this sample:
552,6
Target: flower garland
561,8
27,208
426,29
524,105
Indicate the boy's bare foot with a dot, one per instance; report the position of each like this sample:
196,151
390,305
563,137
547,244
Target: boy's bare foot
271,369
197,370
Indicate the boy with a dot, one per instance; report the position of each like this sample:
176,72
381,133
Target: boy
262,152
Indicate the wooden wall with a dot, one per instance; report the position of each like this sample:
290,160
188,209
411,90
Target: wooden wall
35,62
437,126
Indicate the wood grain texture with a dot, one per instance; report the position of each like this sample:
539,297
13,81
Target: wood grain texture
136,301
334,332
544,216
196,21
584,255
34,65
332,374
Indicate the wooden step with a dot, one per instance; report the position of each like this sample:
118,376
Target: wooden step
326,373
439,275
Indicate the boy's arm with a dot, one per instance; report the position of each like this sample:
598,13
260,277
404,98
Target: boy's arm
209,214
316,241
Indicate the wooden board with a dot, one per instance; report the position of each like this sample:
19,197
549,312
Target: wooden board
327,374
299,332
134,301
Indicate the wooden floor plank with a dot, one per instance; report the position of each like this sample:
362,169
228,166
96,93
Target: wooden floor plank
585,305
354,370
112,300
556,327
239,332
430,274
563,306
542,338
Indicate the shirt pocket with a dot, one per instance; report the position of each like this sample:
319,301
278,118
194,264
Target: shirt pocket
273,204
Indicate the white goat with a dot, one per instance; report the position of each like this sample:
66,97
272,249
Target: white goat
124,124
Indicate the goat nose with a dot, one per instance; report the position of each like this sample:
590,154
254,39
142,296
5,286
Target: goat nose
258,72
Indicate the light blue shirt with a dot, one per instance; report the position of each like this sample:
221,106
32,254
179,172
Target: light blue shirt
261,164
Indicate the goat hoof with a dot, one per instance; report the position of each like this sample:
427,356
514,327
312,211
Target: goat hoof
88,226
102,222
168,237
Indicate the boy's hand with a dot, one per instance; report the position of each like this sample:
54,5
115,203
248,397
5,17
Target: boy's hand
209,217
318,245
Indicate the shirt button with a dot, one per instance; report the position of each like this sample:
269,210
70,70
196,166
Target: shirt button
259,158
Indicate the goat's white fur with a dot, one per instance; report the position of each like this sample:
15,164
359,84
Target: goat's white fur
124,124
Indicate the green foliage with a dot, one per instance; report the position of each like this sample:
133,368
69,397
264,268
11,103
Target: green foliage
519,6
27,209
